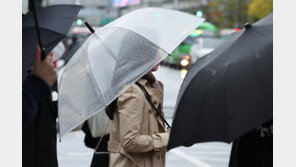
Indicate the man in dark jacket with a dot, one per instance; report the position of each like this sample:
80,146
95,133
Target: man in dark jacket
39,115
254,149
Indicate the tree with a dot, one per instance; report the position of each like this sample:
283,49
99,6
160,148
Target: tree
228,13
260,8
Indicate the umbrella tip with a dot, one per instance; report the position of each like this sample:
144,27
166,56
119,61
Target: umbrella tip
89,27
248,25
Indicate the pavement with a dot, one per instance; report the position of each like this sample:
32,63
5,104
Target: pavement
73,153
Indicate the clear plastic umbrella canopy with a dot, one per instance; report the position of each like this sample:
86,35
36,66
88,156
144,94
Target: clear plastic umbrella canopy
116,56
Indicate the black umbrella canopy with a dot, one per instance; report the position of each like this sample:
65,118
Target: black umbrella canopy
229,91
54,22
72,50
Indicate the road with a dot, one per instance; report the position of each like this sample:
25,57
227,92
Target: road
73,153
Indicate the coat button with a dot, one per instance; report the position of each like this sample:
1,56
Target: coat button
53,142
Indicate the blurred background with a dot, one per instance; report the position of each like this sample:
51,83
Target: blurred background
223,17
222,13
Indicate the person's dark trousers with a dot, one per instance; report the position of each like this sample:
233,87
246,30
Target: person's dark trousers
101,159
252,150
39,147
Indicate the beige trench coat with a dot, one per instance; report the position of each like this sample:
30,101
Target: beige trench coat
137,136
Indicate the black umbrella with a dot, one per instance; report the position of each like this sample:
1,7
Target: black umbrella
72,50
54,23
228,92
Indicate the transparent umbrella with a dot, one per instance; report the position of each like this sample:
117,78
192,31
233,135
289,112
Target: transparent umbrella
116,56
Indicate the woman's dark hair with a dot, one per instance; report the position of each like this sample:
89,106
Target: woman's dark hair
111,108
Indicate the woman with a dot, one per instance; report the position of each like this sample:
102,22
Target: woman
138,137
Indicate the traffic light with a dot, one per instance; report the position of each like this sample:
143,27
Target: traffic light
199,13
79,22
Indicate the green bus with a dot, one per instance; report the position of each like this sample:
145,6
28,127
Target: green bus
206,29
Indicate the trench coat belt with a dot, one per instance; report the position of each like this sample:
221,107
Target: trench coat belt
116,148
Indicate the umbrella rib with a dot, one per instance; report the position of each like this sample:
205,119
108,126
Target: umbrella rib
92,74
107,48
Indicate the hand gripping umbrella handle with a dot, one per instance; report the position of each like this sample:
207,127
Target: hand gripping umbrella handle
152,105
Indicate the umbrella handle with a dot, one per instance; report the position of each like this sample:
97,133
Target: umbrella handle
42,51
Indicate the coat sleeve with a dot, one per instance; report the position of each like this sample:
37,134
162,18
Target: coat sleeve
130,108
33,88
